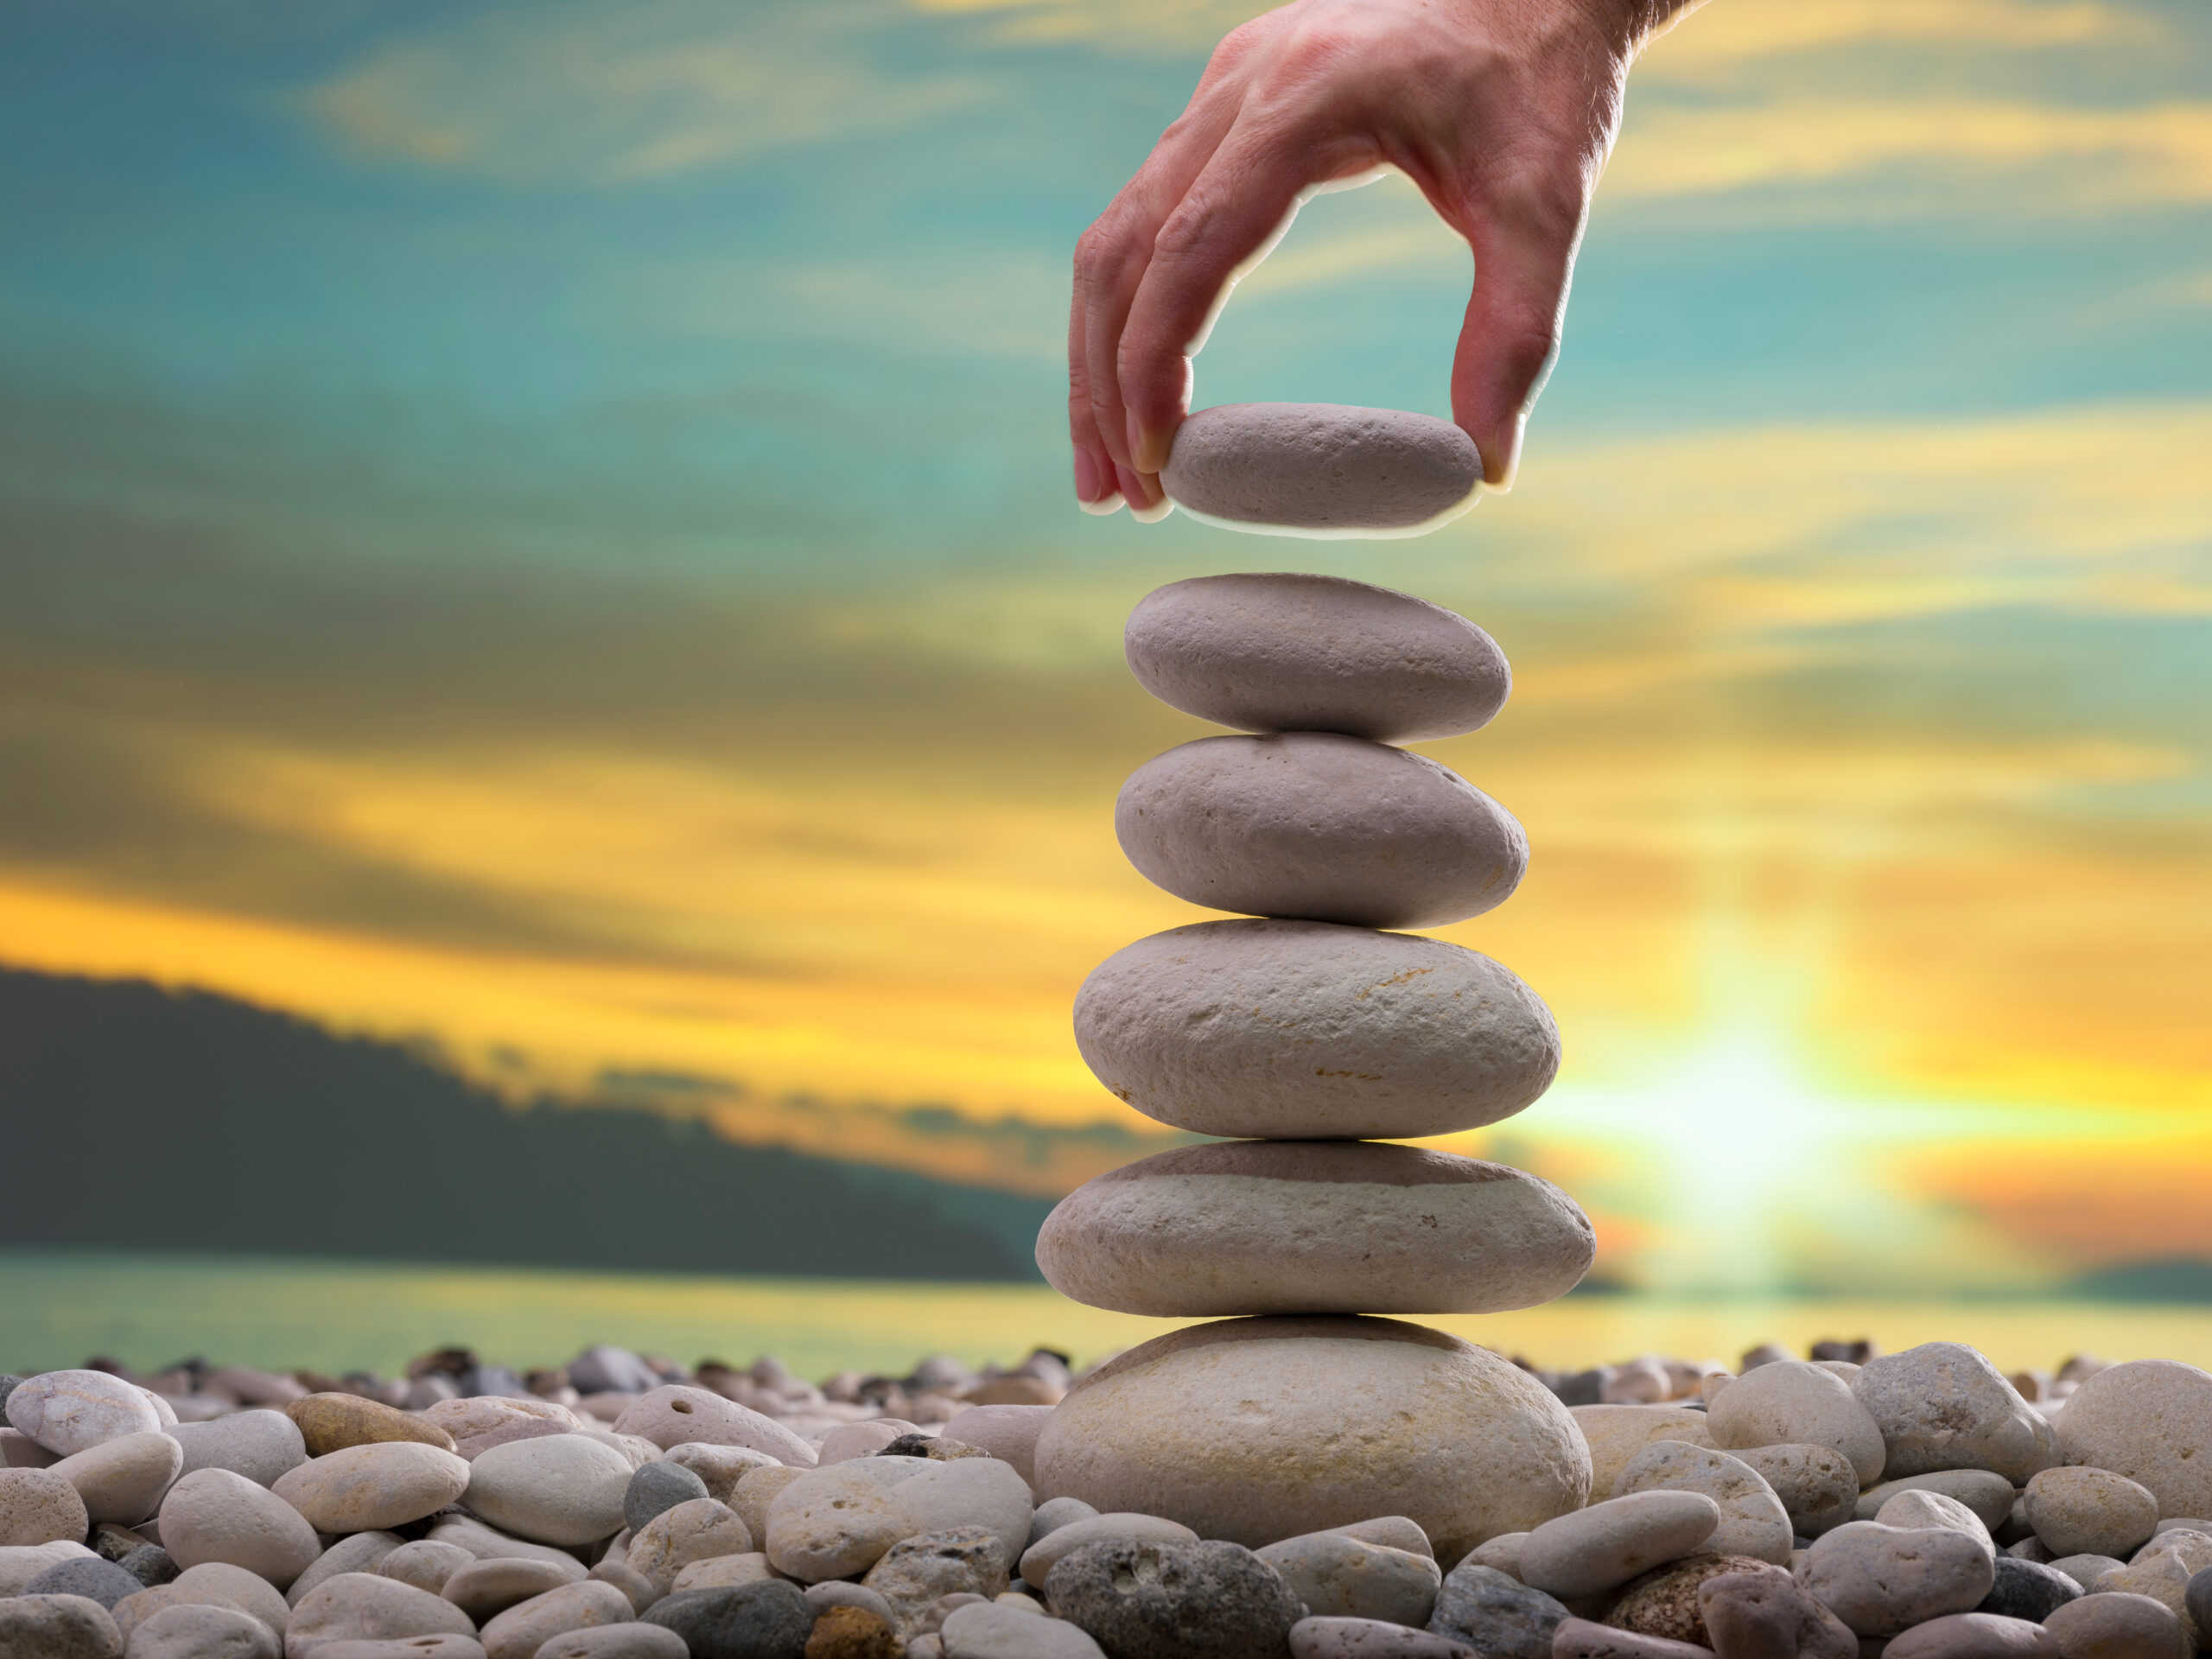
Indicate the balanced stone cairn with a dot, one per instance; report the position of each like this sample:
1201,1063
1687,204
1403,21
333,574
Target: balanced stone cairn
1312,1031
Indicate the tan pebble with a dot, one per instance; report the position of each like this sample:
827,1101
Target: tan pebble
2118,1626
213,1515
122,1480
1614,1540
1793,1403
520,1632
58,1627
677,1412
39,1506
1752,1520
374,1487
1616,1433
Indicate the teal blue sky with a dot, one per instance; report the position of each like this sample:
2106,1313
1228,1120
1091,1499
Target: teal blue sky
546,527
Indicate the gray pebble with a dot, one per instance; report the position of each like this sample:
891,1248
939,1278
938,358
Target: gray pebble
9,1383
149,1564
1498,1616
1320,828
260,1444
657,1488
769,1620
88,1576
2028,1590
2197,1599
1321,469
1280,652
1147,1599
1337,1575
57,1627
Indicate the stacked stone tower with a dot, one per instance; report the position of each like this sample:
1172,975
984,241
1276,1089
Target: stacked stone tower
1311,1030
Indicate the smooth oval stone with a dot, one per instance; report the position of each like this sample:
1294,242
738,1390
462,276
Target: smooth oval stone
331,1422
2107,1626
562,1490
1612,1542
364,1552
717,1570
1616,1433
1313,1227
1321,470
1280,652
484,1590
753,1621
1388,1418
2029,1590
475,1414
1578,1638
234,1587
1319,828
1973,1636
520,1632
39,1506
57,1627
1296,1030
121,1480
1340,1576
260,1444
1990,1496
69,1412
1043,1553
1796,1402
362,1606
1752,1520
719,1466
86,1576
1910,1510
677,1412
374,1487
199,1631
1880,1580
632,1583
2149,1420
1324,1637
657,1488
835,1523
213,1515
842,1593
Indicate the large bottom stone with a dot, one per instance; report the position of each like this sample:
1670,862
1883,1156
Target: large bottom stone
1256,1430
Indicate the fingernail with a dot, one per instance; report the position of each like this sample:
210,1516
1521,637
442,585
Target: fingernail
1148,503
1147,448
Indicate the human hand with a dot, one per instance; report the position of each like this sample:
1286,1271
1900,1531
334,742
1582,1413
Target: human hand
1501,112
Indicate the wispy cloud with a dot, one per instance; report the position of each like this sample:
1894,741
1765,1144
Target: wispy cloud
636,91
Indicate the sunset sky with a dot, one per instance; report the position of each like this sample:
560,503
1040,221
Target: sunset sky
542,529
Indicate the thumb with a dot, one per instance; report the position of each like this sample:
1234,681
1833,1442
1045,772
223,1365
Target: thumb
1511,333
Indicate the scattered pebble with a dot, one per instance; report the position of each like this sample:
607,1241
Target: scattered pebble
1610,1542
204,1632
38,1506
2029,1590
562,1490
1147,1599
58,1627
361,1606
1338,1575
1496,1615
1943,1406
1792,1402
261,1446
1752,1521
213,1515
1881,1580
69,1412
2087,1511
1816,1485
748,1621
2105,1626
374,1487
520,1632
2149,1420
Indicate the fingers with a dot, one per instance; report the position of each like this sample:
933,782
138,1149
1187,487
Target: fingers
1231,211
1524,259
1097,487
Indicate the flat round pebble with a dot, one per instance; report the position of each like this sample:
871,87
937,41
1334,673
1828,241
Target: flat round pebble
484,1590
374,1487
1321,1637
121,1480
260,1444
2118,1626
427,1565
69,1412
2083,1512
38,1506
833,1522
520,1632
1391,1419
1614,1540
562,1490
1314,1031
1320,828
718,1571
1284,653
331,1422
1321,469
1752,1521
750,1621
1943,1406
1792,1402
1880,1580
213,1515
1973,1636
634,1641
204,1632
2149,1420
86,1576
1499,1617
362,1606
677,1412
991,1631
1261,1227
1146,1600
57,1627
1338,1575
2029,1590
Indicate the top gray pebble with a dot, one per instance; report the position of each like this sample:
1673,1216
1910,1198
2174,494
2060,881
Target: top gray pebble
1299,653
1321,469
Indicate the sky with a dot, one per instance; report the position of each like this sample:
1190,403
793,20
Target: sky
543,529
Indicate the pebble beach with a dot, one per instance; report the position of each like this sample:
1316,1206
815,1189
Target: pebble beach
1845,1502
